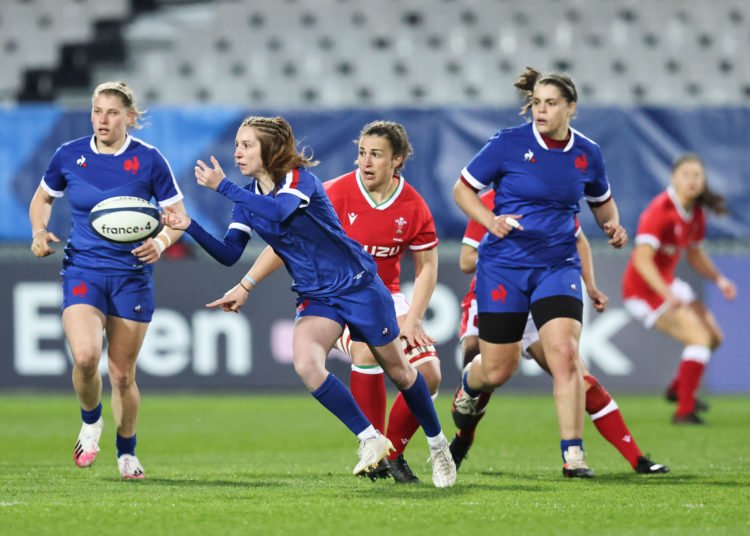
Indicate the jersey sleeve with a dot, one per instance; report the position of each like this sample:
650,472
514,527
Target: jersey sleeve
54,181
652,226
475,231
239,221
166,190
300,184
597,190
426,238
487,165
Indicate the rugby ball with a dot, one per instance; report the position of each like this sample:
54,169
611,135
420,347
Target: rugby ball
125,220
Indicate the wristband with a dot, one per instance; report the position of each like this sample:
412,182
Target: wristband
37,232
160,245
245,288
169,239
250,280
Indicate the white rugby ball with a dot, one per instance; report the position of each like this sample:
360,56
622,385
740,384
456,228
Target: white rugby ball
124,219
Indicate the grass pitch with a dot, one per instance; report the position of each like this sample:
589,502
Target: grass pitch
282,465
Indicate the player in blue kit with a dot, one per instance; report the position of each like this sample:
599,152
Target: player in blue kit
335,279
107,287
528,259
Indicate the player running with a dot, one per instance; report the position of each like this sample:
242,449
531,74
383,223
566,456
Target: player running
381,211
600,406
674,222
528,260
335,279
107,288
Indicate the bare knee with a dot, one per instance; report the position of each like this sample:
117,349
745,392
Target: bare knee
121,378
86,359
310,371
563,362
432,377
497,372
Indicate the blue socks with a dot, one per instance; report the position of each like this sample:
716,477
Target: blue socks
473,393
420,403
565,443
90,417
338,400
125,445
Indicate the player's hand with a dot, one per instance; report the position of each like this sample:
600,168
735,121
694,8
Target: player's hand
598,299
207,176
727,287
174,219
232,301
40,243
149,252
503,224
413,332
617,234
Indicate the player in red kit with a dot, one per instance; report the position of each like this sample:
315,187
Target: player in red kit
675,222
381,211
600,406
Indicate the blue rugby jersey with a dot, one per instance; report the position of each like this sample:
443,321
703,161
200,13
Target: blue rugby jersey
137,169
544,185
322,260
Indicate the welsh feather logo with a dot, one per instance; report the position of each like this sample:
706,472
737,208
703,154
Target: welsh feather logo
400,224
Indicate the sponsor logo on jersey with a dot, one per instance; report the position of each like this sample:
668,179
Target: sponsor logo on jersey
581,163
132,165
382,251
352,217
400,224
81,162
529,156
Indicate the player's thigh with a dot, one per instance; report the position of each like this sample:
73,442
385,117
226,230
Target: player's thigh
313,337
683,325
499,360
84,329
709,320
559,338
361,354
125,338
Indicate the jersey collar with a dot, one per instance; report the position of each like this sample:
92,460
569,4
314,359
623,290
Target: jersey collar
540,140
686,215
128,139
388,202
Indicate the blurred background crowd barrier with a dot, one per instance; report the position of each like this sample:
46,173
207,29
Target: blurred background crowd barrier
656,79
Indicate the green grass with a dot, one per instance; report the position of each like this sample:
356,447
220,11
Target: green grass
282,465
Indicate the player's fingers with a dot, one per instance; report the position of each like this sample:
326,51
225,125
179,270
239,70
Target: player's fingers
215,162
53,237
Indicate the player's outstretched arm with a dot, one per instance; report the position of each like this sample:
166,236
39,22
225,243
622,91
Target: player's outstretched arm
701,262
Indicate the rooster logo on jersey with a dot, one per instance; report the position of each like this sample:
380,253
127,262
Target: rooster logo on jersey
400,224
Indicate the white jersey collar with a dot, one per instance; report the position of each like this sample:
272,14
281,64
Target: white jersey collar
388,202
128,139
540,140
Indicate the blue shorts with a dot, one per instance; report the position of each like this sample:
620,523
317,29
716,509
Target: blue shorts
503,289
126,296
368,311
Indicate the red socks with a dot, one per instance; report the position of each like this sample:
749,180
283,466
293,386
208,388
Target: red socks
402,424
367,385
689,374
608,420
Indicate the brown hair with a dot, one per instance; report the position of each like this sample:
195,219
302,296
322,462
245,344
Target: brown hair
711,200
530,77
278,148
396,135
126,94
